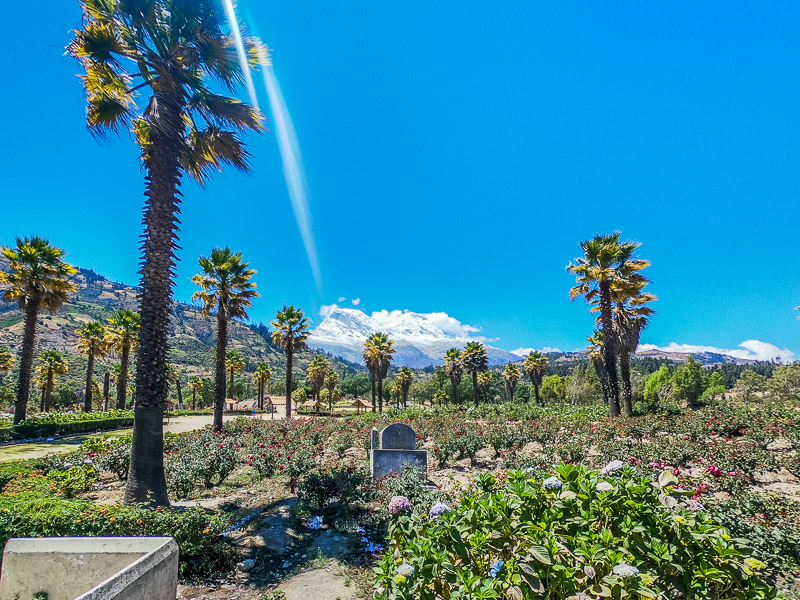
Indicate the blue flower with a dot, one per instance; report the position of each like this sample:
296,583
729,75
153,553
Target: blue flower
553,483
438,509
315,523
625,570
493,572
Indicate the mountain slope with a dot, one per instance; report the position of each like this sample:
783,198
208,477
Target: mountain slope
421,339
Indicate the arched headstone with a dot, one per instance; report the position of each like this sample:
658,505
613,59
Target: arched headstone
398,436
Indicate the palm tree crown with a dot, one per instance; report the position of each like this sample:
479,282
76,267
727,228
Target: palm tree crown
511,375
535,366
405,376
475,360
6,360
378,350
51,364
455,368
226,286
122,335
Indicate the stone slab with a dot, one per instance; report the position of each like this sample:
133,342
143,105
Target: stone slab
386,462
398,436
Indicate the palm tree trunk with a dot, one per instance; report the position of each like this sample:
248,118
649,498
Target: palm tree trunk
455,390
536,395
106,390
627,390
48,390
609,354
289,384
475,387
26,362
87,397
180,393
122,382
405,398
380,394
194,397
146,480
372,381
44,393
219,370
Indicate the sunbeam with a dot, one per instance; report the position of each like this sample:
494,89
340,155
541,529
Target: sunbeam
230,12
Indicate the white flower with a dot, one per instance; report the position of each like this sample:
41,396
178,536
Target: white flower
568,495
612,467
604,486
552,483
624,570
406,570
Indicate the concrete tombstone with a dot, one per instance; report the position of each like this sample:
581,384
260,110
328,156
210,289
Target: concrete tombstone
394,449
398,436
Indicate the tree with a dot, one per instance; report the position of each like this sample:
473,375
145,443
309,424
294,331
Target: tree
177,53
595,353
52,364
715,387
484,383
606,259
331,379
261,378
355,385
554,387
234,363
658,387
405,376
689,382
377,353
785,382
91,343
6,362
37,279
749,385
439,398
122,335
315,375
290,332
173,376
196,385
475,360
511,375
226,290
535,366
454,366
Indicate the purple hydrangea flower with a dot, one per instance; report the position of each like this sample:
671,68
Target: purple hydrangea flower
612,467
399,503
438,509
553,483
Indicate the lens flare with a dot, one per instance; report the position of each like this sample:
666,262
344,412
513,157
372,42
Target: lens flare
288,145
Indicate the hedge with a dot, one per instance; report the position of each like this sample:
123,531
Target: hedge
26,432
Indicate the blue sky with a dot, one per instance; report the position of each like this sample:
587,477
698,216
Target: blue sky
456,153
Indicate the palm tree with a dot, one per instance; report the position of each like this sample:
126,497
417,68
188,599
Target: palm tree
535,366
196,385
372,362
91,343
290,332
379,348
596,356
6,362
122,335
331,381
484,383
178,53
475,360
404,377
52,364
234,363
315,373
606,259
37,279
395,392
227,289
455,368
261,377
439,397
511,375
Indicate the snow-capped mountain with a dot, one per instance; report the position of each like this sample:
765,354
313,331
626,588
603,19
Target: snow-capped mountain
421,339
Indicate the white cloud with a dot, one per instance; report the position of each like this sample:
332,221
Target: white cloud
356,301
526,351
450,325
749,350
327,309
341,299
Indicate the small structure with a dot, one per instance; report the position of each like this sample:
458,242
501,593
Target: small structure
359,404
90,568
394,449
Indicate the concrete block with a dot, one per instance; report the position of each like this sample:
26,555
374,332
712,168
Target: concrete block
385,462
90,568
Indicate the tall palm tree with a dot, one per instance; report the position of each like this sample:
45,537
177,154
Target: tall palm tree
455,368
475,360
122,335
261,377
511,375
174,376
404,377
234,363
168,54
484,383
606,259
290,332
92,344
535,366
315,373
6,362
52,364
372,362
37,279
331,381
227,290
380,349
196,385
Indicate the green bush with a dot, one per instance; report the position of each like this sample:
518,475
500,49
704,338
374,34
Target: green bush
64,424
579,534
